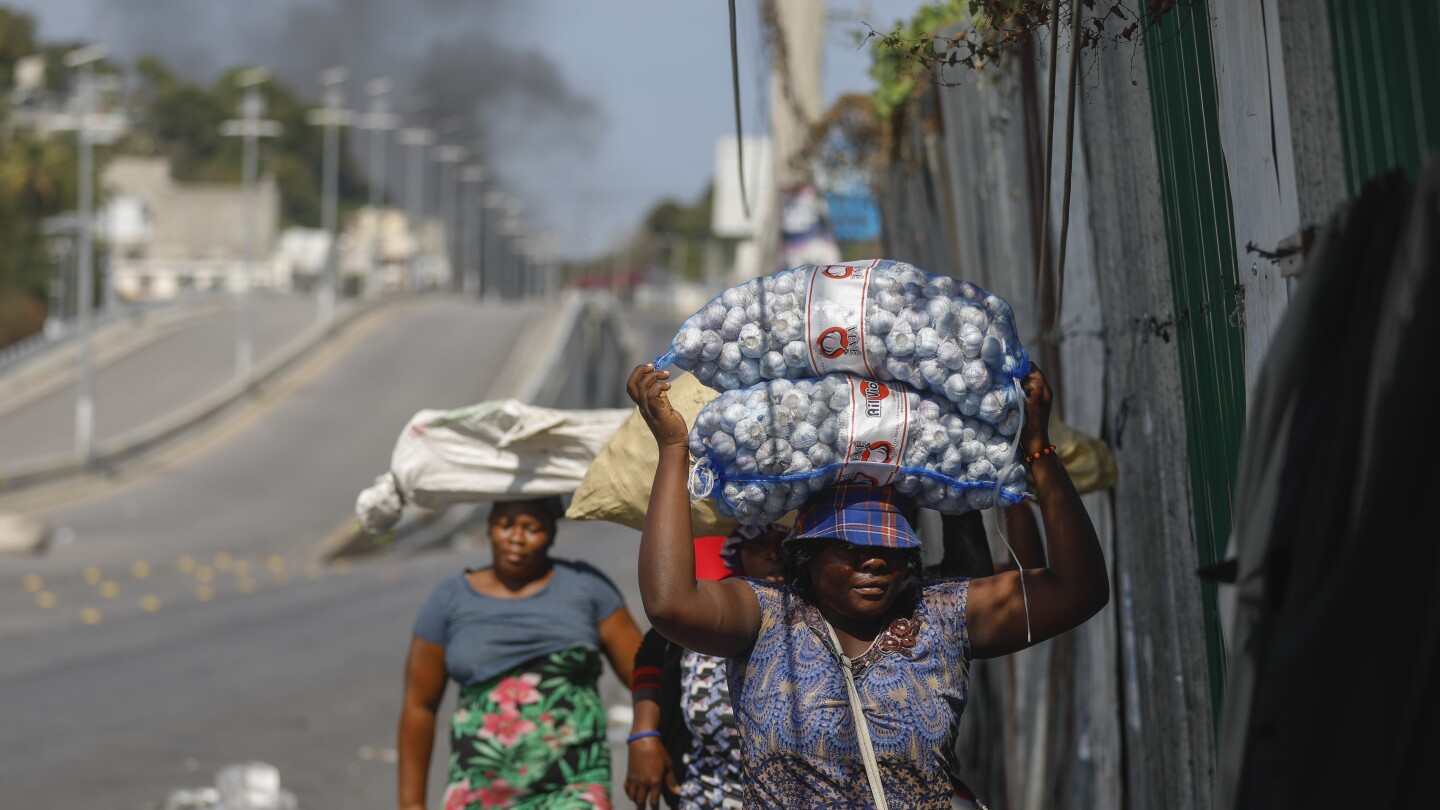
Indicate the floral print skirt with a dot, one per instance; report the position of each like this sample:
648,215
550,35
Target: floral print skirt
532,738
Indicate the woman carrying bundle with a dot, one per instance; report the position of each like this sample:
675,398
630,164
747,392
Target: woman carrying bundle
848,682
523,639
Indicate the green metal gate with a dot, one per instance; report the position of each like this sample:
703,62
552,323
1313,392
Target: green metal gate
1199,229
1387,77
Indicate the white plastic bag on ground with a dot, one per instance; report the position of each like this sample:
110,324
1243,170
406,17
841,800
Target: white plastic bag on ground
765,450
879,319
493,451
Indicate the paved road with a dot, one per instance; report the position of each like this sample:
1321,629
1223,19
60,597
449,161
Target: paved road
178,627
159,378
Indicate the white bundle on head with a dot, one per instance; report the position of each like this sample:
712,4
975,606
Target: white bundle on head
881,319
765,450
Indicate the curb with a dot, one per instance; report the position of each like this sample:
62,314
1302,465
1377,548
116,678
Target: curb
148,438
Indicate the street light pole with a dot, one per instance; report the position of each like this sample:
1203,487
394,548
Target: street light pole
85,59
472,237
449,157
417,139
332,116
249,128
377,122
490,244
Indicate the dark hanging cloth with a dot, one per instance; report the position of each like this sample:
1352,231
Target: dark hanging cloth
1336,644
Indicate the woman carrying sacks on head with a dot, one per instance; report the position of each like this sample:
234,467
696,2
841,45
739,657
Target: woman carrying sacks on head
856,633
684,744
523,639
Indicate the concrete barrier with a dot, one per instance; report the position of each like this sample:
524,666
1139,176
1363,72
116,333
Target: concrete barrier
57,366
114,453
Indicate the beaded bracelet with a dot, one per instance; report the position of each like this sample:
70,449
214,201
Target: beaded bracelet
1045,452
640,735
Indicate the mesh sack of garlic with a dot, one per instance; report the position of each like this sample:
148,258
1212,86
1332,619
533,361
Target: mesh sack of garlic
763,451
878,319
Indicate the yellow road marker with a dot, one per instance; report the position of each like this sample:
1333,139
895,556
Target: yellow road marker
186,564
45,599
204,574
140,569
149,603
91,616
204,593
242,569
34,583
92,575
275,563
223,560
109,589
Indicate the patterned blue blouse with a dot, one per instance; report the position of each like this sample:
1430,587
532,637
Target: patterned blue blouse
790,699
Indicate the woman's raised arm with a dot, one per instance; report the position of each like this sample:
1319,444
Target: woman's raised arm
1073,586
714,618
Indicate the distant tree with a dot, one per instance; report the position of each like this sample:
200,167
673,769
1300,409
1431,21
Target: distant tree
37,181
17,41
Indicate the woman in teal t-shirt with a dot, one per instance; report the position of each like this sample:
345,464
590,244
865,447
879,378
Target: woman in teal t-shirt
523,640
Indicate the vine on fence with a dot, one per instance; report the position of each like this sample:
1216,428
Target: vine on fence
986,32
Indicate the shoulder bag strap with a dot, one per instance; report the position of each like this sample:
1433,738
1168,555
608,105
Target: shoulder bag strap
862,728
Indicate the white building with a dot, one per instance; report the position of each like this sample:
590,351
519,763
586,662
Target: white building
168,238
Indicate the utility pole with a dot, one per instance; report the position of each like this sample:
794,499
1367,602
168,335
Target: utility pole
472,239
248,127
85,59
377,122
513,233
449,156
332,116
490,249
417,139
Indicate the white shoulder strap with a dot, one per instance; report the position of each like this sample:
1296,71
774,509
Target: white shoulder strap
862,728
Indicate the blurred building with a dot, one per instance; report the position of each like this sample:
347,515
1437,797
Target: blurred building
168,238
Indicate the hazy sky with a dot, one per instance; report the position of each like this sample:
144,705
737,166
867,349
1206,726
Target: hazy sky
591,111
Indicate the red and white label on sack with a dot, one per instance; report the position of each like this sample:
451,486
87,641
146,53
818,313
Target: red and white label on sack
879,423
835,318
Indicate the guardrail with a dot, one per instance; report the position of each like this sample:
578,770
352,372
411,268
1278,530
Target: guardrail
115,452
63,332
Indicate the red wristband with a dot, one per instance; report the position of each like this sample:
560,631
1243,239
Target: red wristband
1044,452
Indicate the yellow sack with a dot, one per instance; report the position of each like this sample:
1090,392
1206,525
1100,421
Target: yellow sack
617,486
1087,459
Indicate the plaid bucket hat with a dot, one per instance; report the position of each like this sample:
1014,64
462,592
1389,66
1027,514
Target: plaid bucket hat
862,516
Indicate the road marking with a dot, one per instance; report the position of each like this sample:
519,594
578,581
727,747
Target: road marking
204,593
242,569
34,583
275,563
140,569
92,575
149,603
204,574
186,564
91,615
45,599
246,585
223,560
109,589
